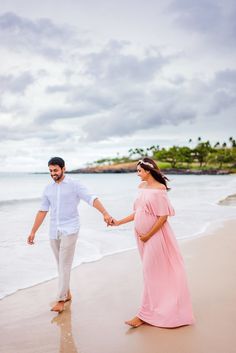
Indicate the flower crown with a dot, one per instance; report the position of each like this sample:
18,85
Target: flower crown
146,163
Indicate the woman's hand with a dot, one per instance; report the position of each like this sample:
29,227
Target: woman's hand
144,237
114,222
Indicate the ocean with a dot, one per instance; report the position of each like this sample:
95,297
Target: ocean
194,197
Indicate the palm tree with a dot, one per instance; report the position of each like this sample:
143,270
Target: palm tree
232,141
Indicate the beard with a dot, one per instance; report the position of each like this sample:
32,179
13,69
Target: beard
57,176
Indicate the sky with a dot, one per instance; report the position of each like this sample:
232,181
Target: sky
91,79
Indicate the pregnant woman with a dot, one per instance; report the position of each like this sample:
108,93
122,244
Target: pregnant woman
166,300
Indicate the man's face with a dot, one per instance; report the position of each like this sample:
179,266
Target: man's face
56,172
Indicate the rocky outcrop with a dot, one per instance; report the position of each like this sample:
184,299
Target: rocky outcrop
131,167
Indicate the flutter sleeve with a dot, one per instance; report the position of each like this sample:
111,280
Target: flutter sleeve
160,205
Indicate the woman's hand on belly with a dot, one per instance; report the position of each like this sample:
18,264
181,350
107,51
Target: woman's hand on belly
144,237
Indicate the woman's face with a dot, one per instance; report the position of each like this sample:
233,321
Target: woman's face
142,173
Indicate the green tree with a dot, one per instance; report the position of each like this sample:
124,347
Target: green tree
172,156
221,156
186,155
202,151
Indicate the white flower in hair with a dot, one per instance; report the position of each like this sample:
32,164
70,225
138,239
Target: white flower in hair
146,163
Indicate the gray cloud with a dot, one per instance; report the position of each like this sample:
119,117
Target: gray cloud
112,76
223,91
144,111
225,78
26,131
221,101
114,64
140,109
48,117
214,19
201,15
124,94
40,36
16,84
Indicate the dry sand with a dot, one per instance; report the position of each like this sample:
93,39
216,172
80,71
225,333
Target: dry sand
107,292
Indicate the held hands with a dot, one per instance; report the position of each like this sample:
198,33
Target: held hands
109,220
114,222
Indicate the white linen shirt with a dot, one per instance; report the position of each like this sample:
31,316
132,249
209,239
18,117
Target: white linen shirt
62,199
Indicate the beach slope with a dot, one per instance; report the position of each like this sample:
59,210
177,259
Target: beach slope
107,292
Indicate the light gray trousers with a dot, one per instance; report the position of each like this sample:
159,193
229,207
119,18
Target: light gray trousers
64,249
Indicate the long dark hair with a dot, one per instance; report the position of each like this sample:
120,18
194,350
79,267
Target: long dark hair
149,164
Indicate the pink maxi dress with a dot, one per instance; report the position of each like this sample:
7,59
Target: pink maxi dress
166,301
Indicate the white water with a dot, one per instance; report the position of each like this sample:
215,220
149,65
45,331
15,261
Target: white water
195,199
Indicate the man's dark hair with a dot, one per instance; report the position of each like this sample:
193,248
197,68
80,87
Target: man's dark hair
57,161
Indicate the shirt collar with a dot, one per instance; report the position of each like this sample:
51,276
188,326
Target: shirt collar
65,180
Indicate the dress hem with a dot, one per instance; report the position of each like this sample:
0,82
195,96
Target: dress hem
164,325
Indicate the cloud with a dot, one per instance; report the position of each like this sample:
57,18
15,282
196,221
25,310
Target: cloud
115,90
212,19
19,131
40,36
16,84
163,105
142,112
226,77
223,89
115,64
125,94
201,15
108,77
50,116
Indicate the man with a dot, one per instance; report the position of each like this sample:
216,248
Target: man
62,197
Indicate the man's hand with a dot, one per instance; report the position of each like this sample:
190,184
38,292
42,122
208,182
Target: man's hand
114,222
30,239
108,219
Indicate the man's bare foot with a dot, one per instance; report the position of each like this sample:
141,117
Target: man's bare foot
135,322
69,296
59,307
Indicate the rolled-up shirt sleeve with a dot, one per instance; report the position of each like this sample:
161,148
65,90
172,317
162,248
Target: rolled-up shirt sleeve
85,195
45,204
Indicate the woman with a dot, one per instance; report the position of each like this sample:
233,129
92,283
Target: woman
166,301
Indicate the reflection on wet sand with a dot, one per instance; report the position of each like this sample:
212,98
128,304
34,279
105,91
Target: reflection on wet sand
63,320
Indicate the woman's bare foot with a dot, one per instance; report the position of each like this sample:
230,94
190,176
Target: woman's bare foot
59,307
135,322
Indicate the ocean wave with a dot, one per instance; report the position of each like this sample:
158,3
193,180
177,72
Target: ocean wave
230,200
18,201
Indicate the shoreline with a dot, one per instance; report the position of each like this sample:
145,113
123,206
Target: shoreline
107,292
130,167
208,228
113,170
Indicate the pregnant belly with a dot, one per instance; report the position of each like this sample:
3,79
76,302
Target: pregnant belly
143,221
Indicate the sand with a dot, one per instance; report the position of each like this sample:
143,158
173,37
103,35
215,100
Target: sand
107,292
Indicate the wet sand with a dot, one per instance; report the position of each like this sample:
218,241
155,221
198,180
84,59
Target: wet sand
107,292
